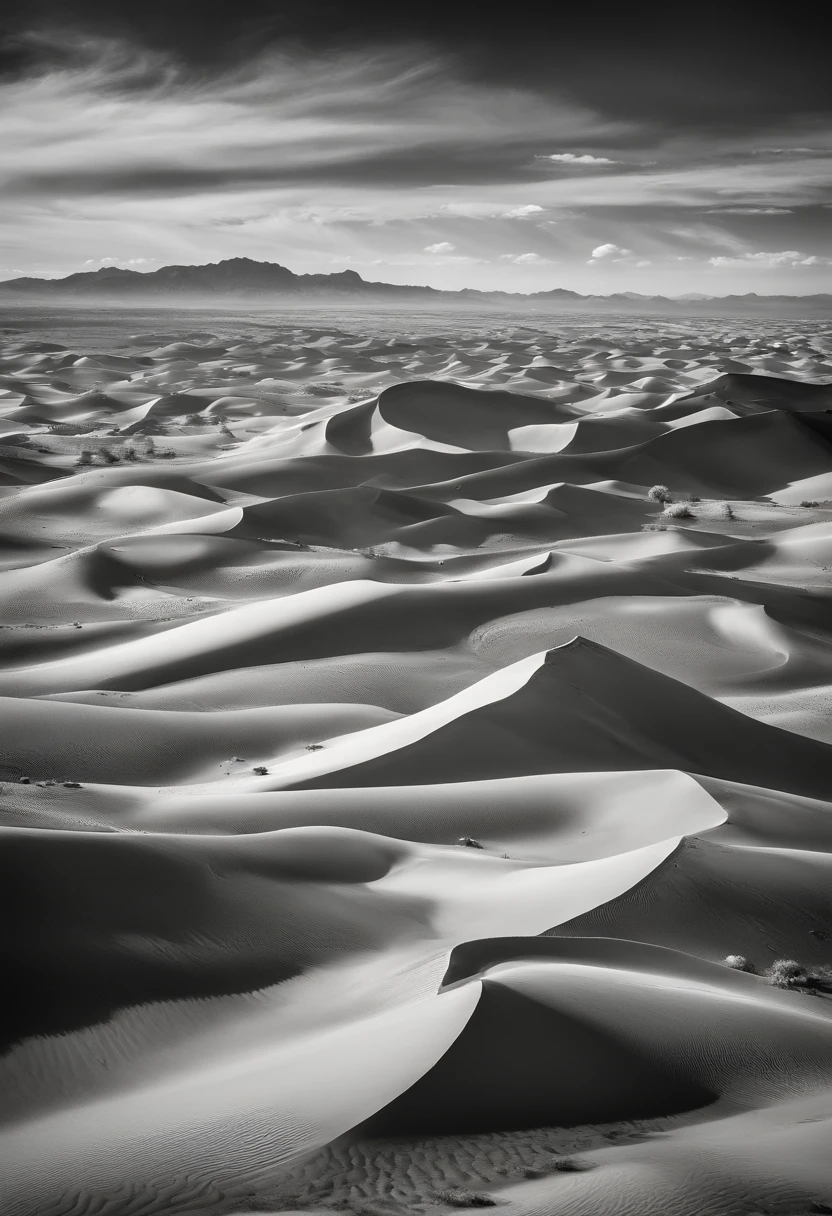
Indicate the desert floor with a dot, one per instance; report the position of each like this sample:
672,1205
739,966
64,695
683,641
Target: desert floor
293,605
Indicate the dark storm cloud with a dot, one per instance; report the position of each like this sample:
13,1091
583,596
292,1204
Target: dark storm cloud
716,67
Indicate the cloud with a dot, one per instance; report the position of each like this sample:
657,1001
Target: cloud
526,259
570,158
673,80
418,259
119,261
138,130
790,151
609,253
521,213
750,211
769,261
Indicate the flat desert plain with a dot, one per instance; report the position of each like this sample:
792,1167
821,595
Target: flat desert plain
387,773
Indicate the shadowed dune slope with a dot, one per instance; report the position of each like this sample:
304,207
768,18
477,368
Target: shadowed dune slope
415,748
586,707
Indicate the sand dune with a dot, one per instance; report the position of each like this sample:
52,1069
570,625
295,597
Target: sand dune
290,612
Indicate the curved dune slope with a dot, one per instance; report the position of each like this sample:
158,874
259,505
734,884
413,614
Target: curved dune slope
401,722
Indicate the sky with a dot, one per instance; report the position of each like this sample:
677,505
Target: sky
453,144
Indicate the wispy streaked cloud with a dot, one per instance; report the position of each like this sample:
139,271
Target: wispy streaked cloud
526,259
769,261
750,211
120,148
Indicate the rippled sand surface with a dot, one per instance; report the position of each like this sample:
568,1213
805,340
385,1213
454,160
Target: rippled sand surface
385,773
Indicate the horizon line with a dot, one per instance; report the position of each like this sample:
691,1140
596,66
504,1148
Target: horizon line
686,297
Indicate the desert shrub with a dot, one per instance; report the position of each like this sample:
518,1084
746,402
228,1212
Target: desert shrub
654,527
165,453
695,498
739,963
108,455
84,457
659,494
569,1165
786,973
149,443
71,428
468,842
809,502
820,978
225,430
71,785
461,1198
724,510
314,747
322,390
678,510
129,452
260,770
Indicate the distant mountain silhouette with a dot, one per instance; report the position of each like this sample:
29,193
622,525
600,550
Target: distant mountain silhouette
244,280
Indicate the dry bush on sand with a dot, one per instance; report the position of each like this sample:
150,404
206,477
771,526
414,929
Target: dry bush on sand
678,510
659,494
739,963
461,1198
786,973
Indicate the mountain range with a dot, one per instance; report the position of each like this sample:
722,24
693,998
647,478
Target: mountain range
238,280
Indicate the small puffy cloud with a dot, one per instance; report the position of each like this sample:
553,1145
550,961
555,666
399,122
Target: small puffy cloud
643,263
440,247
749,211
521,213
571,158
769,261
526,259
609,253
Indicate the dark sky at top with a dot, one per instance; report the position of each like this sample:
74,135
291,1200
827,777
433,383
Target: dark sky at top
709,65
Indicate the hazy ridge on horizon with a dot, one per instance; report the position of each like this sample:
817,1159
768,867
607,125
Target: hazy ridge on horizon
233,279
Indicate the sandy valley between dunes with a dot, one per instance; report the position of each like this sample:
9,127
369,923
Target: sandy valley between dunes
291,606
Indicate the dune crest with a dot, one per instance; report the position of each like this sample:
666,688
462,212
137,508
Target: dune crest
400,729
